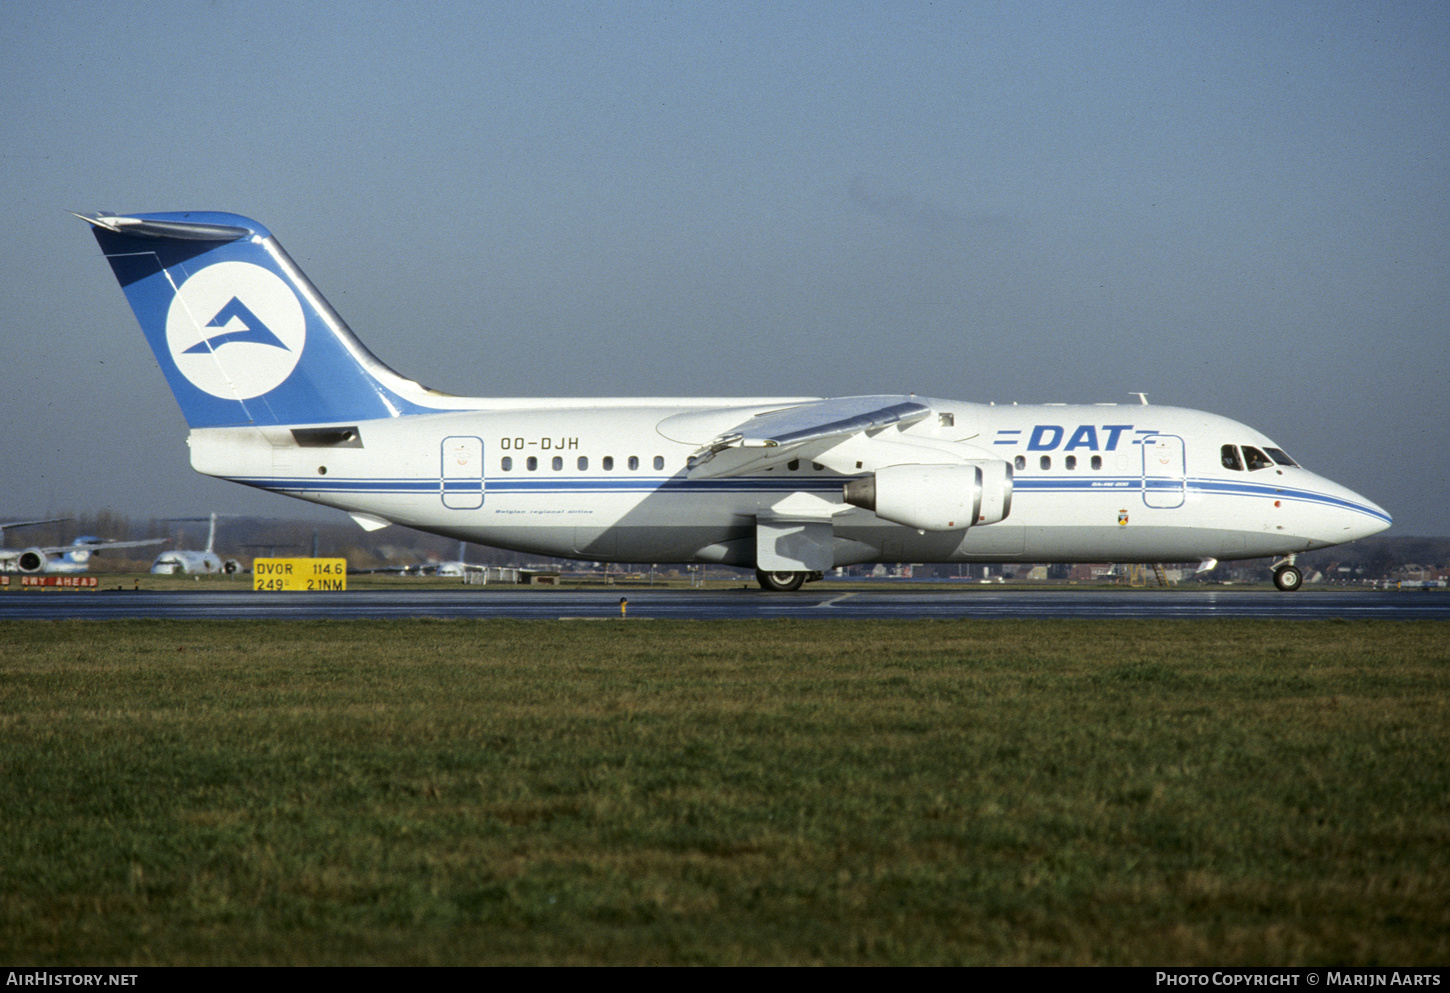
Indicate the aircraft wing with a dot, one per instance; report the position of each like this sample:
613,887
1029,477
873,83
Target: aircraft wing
100,545
85,546
21,524
775,436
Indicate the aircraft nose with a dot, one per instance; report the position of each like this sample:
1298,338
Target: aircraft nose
1360,517
1374,519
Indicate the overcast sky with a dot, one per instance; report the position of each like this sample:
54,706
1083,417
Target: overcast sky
1238,207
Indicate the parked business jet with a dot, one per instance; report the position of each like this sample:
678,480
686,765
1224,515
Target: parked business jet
280,394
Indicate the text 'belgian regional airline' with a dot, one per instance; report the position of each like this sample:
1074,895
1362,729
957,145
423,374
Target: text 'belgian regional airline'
281,395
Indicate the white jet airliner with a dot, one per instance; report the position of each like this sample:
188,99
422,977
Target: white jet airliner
281,395
182,560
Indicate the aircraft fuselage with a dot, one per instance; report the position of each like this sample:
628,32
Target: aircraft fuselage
610,481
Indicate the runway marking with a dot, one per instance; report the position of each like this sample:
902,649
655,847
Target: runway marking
682,605
622,619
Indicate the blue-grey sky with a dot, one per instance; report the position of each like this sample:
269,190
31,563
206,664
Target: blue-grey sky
1239,207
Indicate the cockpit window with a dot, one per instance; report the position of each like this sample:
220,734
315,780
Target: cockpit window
1281,457
1257,459
1231,458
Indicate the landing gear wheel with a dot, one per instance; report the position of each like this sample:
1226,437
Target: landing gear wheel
1288,578
780,582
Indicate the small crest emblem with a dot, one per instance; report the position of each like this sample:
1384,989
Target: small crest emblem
1123,518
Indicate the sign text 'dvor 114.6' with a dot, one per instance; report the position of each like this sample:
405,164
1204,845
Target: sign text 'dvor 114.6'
299,574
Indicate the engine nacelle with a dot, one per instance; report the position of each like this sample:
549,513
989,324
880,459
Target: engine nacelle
936,497
996,491
32,560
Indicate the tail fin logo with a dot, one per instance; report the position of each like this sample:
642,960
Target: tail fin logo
251,329
235,330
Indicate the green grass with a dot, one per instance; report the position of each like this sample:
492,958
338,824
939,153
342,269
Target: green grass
973,792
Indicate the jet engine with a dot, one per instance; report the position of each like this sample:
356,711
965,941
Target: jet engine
936,497
31,560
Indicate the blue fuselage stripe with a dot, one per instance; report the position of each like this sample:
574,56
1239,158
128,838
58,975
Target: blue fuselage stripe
643,485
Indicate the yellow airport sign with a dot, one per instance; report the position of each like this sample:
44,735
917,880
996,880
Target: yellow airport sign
299,574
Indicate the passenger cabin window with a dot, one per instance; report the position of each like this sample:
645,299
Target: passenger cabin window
633,462
1231,460
558,462
659,462
506,464
1097,461
1072,461
532,464
1020,462
583,463
608,463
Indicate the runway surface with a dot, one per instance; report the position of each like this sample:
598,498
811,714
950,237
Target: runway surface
816,603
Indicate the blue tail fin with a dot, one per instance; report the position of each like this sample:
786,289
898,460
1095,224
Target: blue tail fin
240,333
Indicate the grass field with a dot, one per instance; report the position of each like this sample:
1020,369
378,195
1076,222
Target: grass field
493,792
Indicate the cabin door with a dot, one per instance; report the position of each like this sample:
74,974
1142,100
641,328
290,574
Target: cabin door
1164,471
460,478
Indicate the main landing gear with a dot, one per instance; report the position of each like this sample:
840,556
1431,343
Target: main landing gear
781,582
1288,576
